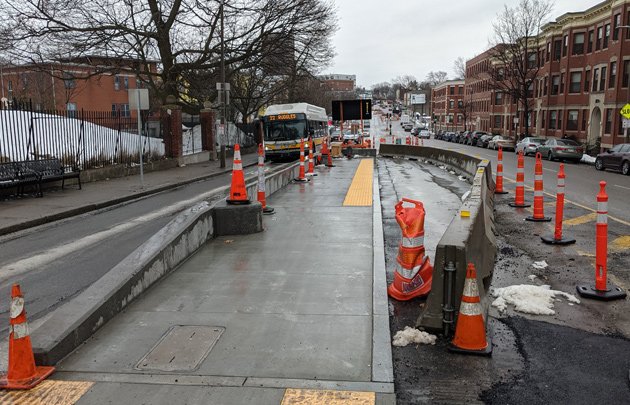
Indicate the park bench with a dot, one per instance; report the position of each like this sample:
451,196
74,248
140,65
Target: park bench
48,170
11,176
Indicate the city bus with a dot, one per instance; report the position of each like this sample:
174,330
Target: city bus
284,125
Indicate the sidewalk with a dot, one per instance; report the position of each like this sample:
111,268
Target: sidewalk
21,213
291,313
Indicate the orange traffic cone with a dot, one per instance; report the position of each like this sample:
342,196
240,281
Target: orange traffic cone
238,192
22,374
519,195
262,198
499,177
470,329
414,273
311,162
539,203
327,153
301,177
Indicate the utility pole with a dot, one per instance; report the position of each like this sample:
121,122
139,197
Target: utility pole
223,91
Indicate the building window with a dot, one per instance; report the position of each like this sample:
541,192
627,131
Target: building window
497,121
576,81
114,110
553,117
606,35
628,23
616,28
608,125
530,90
461,90
595,79
557,49
602,79
584,115
68,80
578,43
613,75
548,51
124,110
498,98
460,104
116,82
587,82
561,83
590,41
451,104
626,73
451,90
555,85
126,82
531,60
560,113
566,45
600,36
572,120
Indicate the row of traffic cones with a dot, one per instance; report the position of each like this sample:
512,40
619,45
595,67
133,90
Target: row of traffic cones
602,290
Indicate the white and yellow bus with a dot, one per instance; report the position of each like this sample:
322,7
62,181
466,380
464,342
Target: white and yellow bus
284,125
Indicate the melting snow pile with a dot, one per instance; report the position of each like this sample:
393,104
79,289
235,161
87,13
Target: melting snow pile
540,265
588,159
529,299
465,196
462,178
410,335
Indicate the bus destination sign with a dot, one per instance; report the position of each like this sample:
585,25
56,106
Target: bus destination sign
282,117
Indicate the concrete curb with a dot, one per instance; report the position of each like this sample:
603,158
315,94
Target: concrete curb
77,320
97,206
468,239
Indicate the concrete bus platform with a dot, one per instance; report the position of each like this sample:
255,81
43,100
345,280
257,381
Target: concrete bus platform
298,311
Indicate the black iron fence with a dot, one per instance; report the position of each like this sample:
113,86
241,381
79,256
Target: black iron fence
83,139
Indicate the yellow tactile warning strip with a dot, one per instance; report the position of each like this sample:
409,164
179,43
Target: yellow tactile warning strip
48,392
327,397
580,220
360,192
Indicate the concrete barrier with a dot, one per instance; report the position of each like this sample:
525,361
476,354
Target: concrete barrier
469,238
74,322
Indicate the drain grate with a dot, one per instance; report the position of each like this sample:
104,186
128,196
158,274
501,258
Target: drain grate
181,348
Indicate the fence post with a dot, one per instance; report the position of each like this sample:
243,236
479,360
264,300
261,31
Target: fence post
171,122
207,117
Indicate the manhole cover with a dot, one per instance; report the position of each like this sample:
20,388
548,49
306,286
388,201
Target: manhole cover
181,348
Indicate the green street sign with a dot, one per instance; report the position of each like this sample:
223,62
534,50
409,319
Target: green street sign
625,111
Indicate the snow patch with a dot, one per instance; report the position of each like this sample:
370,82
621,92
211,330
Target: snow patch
587,159
462,178
540,265
532,277
442,167
529,299
410,335
451,172
465,196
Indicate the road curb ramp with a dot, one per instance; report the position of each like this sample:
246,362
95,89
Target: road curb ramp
469,238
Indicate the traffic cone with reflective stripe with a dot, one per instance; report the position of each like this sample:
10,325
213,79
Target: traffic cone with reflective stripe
325,151
557,238
499,179
414,273
302,177
262,198
602,290
311,162
22,373
470,329
238,192
519,195
539,203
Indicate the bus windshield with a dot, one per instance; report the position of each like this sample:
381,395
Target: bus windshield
285,130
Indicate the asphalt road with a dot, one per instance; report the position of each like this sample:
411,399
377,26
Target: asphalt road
54,262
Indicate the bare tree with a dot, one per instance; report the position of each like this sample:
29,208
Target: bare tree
514,49
435,78
459,67
182,36
383,90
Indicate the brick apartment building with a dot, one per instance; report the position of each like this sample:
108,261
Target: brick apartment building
338,82
583,82
86,83
447,104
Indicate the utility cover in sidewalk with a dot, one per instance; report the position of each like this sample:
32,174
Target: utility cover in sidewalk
181,348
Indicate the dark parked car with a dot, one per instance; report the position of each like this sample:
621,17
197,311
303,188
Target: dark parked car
561,149
474,137
617,158
483,140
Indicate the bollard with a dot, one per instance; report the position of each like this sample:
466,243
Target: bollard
519,195
557,238
601,290
539,203
499,177
302,177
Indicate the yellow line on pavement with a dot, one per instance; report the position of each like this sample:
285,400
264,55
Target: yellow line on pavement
327,397
360,192
580,220
48,392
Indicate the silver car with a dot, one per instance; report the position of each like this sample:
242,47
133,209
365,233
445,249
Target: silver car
561,149
529,145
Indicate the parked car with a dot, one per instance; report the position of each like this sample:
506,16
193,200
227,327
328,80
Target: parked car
335,136
415,130
617,158
501,141
561,149
474,137
529,145
424,134
408,126
449,136
483,140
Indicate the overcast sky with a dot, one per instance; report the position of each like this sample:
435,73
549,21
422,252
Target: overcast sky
379,40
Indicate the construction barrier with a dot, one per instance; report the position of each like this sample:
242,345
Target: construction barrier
22,372
499,176
602,290
413,274
519,195
557,238
539,202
